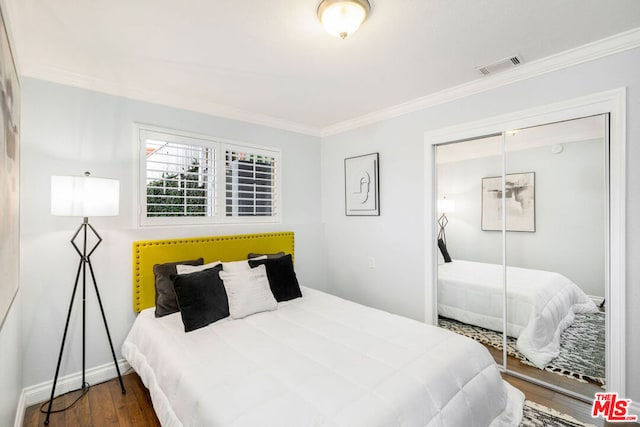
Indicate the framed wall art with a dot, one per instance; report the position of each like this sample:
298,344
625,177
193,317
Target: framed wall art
361,185
9,173
520,202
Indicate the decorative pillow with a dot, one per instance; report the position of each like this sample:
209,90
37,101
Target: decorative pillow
236,266
201,297
186,269
165,295
443,250
282,277
248,292
268,256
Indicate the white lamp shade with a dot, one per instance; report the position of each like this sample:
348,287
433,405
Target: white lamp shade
446,206
84,196
341,18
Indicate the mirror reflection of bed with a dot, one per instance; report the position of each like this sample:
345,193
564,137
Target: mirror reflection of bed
551,260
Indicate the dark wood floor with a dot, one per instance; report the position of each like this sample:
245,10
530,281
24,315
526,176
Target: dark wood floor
105,405
588,389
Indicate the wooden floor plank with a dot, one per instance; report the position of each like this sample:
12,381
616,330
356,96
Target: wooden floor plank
100,402
32,416
78,414
127,408
587,389
56,418
134,384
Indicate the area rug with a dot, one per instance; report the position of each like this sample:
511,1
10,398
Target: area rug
582,346
535,415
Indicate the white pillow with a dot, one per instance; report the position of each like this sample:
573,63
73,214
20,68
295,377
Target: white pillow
236,266
248,292
186,269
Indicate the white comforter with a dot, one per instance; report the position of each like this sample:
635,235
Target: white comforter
318,361
540,304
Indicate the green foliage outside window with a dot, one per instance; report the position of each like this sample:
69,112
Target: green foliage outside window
178,194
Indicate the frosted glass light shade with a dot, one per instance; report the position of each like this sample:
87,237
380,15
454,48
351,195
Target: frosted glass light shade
341,18
446,206
84,196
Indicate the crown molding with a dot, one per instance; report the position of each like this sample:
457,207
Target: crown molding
67,77
589,52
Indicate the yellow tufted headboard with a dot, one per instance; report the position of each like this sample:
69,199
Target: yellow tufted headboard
147,253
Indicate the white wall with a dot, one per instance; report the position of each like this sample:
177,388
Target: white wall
67,131
396,238
570,208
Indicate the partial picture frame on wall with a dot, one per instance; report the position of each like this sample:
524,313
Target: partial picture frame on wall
519,202
9,173
361,185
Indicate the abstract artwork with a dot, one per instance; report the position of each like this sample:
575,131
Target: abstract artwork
519,202
361,185
9,174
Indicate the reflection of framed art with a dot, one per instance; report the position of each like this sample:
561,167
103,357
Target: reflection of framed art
361,185
9,173
519,194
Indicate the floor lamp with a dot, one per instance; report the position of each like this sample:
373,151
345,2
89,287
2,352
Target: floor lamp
445,206
84,196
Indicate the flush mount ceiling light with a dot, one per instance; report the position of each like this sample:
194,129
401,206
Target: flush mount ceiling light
343,17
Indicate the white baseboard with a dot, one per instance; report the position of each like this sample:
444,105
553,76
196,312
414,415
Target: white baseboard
19,421
41,392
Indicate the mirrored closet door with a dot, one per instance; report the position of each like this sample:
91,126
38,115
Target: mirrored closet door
523,219
468,307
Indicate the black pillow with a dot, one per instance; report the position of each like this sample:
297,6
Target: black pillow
276,255
201,297
443,250
165,295
282,278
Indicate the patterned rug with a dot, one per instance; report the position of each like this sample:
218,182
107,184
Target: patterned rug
536,415
582,346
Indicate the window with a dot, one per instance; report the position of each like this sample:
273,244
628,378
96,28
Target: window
179,179
249,183
191,179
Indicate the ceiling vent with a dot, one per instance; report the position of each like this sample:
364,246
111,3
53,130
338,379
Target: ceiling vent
501,65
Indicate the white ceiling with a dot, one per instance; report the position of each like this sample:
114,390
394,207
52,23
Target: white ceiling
271,61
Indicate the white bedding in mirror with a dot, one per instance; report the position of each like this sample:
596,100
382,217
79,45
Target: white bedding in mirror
318,361
541,304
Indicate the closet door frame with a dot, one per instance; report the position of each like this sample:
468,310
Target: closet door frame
612,102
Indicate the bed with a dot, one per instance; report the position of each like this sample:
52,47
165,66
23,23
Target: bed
316,360
540,304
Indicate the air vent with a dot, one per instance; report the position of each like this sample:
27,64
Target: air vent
501,65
